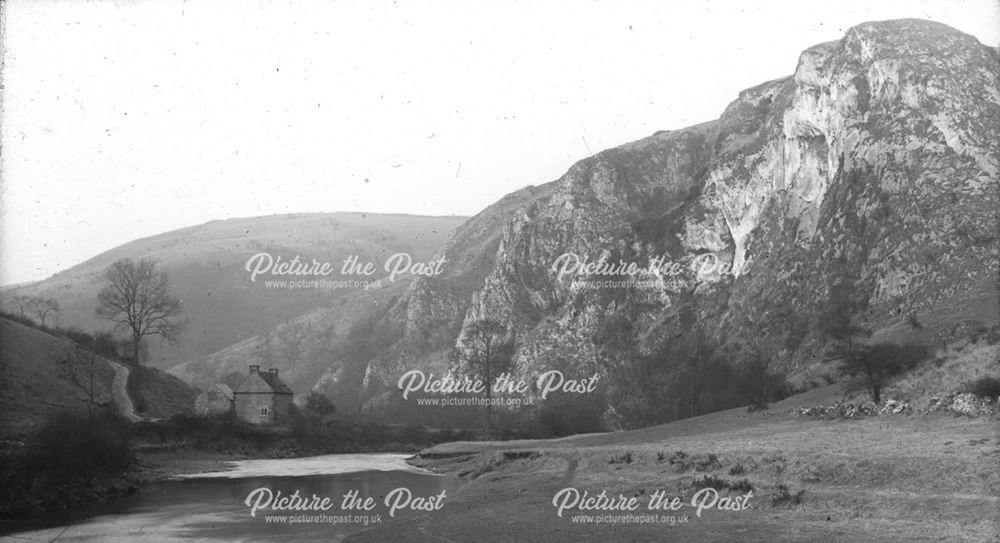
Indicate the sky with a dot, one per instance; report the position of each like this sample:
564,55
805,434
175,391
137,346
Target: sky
126,119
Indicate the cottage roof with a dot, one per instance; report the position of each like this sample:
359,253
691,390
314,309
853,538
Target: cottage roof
224,389
262,382
275,383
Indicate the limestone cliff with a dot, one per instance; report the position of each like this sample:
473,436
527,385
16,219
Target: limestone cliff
876,163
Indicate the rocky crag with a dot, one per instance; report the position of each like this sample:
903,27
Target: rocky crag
875,164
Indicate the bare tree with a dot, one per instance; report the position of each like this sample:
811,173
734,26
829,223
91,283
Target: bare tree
43,307
137,298
876,364
486,357
21,302
80,369
837,321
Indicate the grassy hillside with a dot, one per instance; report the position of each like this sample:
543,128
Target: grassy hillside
34,383
206,265
304,349
31,384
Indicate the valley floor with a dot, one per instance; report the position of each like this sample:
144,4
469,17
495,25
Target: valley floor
885,478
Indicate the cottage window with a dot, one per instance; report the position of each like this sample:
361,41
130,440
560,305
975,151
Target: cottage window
263,411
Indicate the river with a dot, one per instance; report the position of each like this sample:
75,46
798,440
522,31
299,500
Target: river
213,506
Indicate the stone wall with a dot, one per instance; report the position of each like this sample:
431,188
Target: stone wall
212,401
248,407
250,404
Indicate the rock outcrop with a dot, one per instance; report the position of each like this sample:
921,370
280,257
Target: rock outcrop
875,164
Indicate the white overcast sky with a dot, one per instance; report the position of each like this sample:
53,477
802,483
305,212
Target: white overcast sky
130,118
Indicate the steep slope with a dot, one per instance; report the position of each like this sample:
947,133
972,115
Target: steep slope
206,265
328,348
42,373
873,166
308,349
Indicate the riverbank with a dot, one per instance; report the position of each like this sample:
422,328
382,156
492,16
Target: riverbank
74,460
203,497
882,478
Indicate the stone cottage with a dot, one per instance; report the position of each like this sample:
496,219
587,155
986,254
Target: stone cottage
217,399
262,398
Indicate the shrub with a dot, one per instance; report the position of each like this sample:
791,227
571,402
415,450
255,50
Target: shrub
784,496
741,485
710,481
737,469
75,445
320,404
986,387
718,483
708,463
682,461
679,460
621,459
877,363
73,456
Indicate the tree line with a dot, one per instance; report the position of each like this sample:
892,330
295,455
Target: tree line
35,307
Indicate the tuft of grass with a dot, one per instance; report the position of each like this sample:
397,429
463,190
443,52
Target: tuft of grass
710,481
682,461
621,459
709,462
784,496
719,483
737,469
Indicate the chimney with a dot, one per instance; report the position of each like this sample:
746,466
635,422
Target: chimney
274,372
254,369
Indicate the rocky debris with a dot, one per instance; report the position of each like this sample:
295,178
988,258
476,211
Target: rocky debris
958,403
961,404
851,410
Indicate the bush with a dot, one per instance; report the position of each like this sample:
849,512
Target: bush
755,384
718,483
679,460
320,404
877,363
101,342
986,387
682,461
621,459
784,496
72,457
709,462
74,444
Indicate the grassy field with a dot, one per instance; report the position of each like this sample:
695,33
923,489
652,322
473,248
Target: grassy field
888,478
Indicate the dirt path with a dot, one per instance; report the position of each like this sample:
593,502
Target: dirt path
119,391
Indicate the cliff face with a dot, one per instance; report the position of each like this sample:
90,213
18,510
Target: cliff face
875,164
